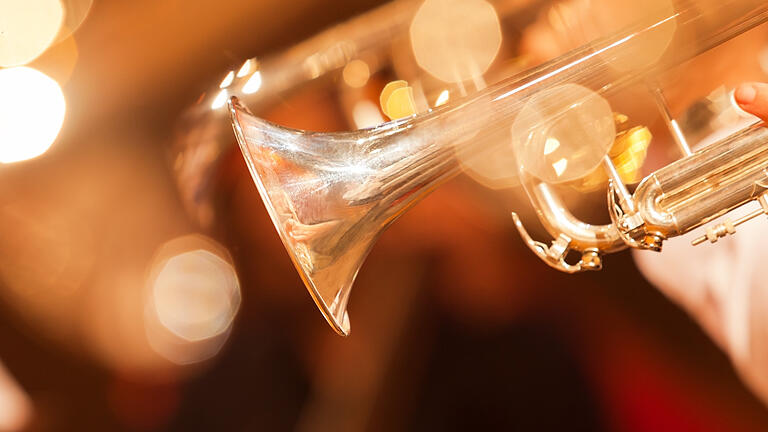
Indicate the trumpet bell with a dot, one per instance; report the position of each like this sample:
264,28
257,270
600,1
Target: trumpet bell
330,195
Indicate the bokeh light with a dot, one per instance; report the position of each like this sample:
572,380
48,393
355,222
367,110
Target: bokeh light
356,73
194,296
493,166
32,110
245,69
397,100
386,92
442,98
75,12
366,114
59,60
220,99
563,133
227,81
401,103
253,84
455,40
27,29
614,16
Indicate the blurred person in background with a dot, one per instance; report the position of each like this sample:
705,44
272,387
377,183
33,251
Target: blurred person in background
724,287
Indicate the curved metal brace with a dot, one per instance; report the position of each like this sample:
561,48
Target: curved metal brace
619,218
554,254
630,227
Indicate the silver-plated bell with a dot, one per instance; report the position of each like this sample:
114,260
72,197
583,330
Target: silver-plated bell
330,195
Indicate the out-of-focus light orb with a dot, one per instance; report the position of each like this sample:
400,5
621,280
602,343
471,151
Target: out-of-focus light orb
386,92
356,73
196,295
494,165
27,28
220,99
366,114
401,103
75,12
563,133
59,60
227,81
245,69
455,40
253,84
442,98
32,109
193,297
643,50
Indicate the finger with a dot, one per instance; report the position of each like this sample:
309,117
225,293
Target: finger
753,98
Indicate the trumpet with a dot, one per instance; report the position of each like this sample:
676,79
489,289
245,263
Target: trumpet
331,195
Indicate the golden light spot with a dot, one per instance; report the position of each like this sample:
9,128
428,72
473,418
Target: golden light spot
27,29
455,40
32,108
75,12
551,145
253,84
59,61
443,98
219,100
493,165
627,153
643,50
386,92
560,166
581,122
194,296
227,80
366,114
401,104
245,69
356,73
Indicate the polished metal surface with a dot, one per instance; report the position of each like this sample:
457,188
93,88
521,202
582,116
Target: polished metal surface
203,136
330,195
709,183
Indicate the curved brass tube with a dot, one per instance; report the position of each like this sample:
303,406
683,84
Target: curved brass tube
557,220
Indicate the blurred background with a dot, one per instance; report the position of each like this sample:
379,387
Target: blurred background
143,288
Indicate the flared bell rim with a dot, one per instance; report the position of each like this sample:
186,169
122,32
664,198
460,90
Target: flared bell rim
341,324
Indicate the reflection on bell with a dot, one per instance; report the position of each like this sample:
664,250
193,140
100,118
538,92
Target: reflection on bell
331,195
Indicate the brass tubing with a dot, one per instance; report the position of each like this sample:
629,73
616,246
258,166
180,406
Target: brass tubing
705,185
557,220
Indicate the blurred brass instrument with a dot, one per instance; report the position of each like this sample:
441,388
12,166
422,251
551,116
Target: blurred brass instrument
330,195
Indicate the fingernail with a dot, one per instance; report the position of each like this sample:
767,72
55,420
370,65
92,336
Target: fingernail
746,94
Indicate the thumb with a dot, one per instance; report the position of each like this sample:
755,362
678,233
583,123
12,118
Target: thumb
753,98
